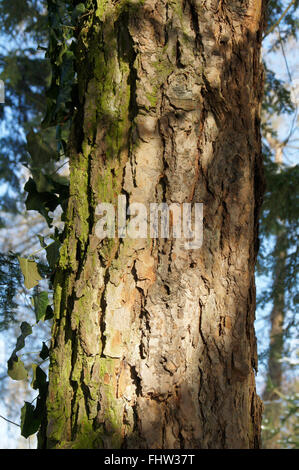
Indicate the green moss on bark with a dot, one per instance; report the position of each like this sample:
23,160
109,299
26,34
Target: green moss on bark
99,149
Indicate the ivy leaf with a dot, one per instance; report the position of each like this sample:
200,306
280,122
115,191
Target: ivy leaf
43,202
44,352
40,302
51,118
53,253
49,313
30,272
16,369
31,417
26,329
39,380
30,422
20,343
66,81
43,183
39,150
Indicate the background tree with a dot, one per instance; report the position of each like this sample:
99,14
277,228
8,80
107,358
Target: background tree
279,231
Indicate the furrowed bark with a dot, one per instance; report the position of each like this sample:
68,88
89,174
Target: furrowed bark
153,345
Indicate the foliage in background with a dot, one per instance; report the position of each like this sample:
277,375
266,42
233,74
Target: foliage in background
10,281
279,230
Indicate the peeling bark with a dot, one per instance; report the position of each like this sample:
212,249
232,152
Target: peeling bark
153,345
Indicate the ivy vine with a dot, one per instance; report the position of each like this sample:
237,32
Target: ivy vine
46,191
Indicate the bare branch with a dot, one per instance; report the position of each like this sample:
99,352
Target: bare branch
271,29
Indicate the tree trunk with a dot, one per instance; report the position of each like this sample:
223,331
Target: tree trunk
272,399
153,344
271,395
274,379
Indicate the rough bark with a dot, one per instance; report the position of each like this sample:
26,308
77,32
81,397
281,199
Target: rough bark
153,345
